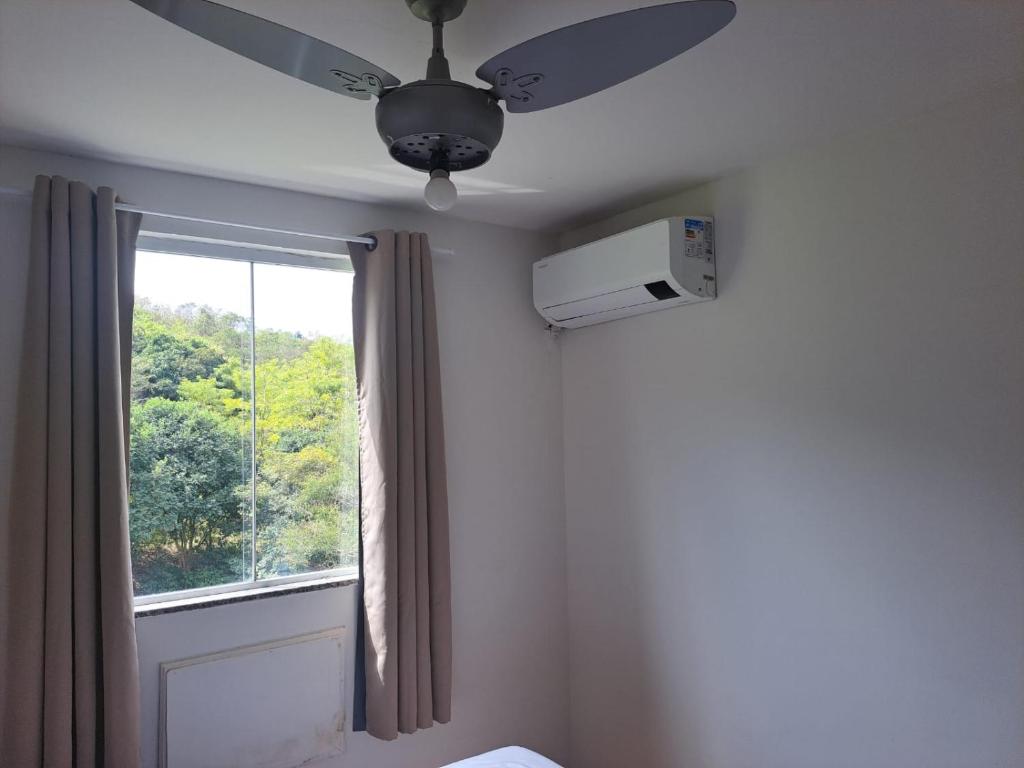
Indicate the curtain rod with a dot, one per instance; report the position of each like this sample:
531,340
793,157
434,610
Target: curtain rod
368,241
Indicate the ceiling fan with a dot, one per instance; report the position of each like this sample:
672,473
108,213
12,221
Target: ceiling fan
440,125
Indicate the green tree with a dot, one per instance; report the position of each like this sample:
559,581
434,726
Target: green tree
162,359
187,466
191,440
307,464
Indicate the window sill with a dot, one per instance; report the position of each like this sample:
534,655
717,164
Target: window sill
226,598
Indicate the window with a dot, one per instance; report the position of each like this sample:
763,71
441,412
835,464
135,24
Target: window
244,447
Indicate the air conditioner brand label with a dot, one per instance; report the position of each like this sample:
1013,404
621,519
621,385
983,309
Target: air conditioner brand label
699,239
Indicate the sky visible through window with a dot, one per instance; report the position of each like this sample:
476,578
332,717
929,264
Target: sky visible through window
291,299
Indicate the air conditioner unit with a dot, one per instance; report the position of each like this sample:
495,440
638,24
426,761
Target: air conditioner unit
656,266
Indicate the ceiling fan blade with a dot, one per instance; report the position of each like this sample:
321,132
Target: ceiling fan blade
581,59
277,47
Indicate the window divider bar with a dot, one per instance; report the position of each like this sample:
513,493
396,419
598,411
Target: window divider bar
252,413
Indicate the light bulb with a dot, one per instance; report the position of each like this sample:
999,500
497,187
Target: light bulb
440,193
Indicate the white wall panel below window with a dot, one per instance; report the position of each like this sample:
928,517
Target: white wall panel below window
298,704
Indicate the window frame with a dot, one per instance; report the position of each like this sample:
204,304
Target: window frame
204,595
275,251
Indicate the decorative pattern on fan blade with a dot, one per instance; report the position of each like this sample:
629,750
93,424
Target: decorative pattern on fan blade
287,50
581,59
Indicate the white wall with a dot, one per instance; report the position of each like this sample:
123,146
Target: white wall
502,414
795,515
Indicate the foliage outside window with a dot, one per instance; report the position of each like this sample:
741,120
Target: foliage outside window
244,457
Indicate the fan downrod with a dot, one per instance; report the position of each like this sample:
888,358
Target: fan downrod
436,11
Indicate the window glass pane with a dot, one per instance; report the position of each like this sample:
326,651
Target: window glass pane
306,423
191,429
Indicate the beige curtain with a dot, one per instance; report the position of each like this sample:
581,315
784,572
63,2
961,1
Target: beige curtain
71,693
406,579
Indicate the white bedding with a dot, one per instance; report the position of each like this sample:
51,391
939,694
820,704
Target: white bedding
509,757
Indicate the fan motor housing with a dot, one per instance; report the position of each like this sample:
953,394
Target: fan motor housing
445,124
437,10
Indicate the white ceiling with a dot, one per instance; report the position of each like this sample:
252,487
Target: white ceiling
105,78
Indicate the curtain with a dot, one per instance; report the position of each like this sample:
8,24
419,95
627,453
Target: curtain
71,693
406,625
